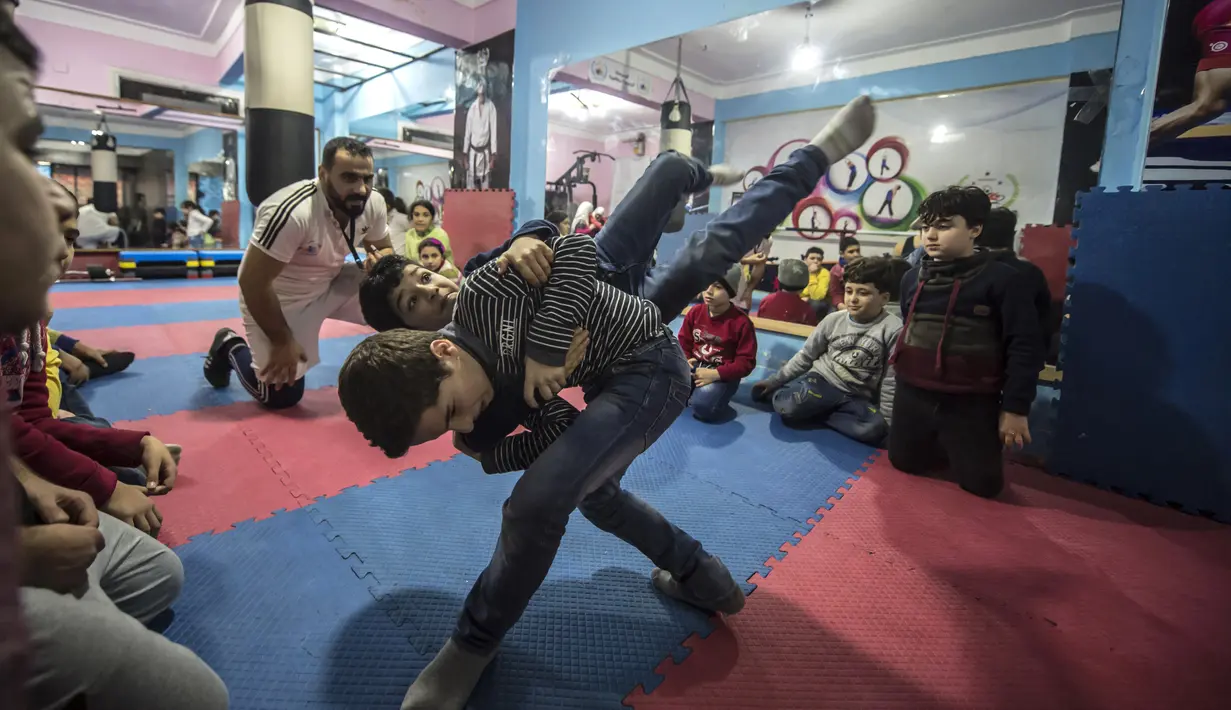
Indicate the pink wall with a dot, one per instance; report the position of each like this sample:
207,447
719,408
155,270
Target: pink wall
81,60
560,157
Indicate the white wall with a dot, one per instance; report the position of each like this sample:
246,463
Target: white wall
1006,140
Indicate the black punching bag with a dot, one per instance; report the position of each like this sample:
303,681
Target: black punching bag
676,126
103,169
278,94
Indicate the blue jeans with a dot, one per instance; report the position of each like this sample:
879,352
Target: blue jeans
812,400
627,408
712,402
626,243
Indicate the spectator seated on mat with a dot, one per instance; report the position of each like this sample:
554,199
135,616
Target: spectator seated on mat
720,343
432,258
842,378
816,293
848,251
74,454
423,226
90,582
787,304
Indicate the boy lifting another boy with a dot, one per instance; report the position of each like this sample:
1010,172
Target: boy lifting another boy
404,387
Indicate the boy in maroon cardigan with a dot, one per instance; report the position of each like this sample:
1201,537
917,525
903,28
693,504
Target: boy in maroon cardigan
721,345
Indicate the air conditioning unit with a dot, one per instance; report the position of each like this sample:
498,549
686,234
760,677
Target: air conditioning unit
416,134
181,97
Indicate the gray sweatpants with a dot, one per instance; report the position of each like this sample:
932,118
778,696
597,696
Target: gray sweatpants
97,646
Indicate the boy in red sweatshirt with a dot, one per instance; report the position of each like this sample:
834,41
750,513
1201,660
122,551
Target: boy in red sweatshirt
721,345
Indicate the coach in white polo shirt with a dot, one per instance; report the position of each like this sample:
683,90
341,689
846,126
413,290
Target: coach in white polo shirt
294,274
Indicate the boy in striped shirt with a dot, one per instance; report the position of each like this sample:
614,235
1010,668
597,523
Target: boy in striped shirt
404,387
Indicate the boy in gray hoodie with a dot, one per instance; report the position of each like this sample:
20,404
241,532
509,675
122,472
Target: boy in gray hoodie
847,381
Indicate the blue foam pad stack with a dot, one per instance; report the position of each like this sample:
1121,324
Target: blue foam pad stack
220,262
1146,401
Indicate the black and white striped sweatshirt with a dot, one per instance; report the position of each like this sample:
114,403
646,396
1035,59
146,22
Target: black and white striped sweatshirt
515,320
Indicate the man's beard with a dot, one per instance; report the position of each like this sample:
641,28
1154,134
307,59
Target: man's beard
352,206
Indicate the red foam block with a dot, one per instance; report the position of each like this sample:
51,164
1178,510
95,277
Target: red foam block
186,338
140,297
241,461
913,594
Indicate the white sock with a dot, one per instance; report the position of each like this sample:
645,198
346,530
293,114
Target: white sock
724,174
851,128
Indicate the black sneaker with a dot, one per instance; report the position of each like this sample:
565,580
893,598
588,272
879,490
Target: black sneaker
217,366
710,588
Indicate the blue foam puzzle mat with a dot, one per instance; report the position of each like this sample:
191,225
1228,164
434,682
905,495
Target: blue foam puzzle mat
165,385
596,627
274,610
69,319
77,286
791,472
1143,406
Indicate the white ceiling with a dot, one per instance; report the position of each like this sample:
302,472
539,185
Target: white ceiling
598,113
762,45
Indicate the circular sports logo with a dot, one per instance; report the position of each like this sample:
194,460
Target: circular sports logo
1218,46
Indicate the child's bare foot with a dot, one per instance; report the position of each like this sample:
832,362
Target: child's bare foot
851,128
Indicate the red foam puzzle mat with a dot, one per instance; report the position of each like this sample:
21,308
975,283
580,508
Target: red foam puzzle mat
165,339
141,297
242,462
477,220
914,594
1047,247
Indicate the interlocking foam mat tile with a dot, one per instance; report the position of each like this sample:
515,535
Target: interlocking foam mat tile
935,615
1108,571
789,471
594,629
242,462
164,339
279,615
72,319
165,385
135,297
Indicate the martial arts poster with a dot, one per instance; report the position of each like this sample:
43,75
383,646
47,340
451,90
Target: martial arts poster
1006,140
482,119
1188,147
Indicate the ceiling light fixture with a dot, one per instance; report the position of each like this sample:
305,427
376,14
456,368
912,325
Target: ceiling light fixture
807,56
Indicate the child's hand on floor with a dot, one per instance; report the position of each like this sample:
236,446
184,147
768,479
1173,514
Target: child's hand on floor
543,380
761,391
1014,429
160,466
705,376
131,505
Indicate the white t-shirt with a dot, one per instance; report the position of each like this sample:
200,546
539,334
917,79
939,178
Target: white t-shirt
91,222
198,223
295,226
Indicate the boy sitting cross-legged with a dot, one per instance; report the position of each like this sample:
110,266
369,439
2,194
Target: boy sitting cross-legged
404,387
720,343
844,363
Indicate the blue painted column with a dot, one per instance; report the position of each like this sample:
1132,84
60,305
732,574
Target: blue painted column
1132,92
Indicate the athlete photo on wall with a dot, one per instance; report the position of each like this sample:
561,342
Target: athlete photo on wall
484,76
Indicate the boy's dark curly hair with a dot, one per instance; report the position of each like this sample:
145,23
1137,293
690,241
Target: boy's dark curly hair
386,384
376,289
876,271
969,203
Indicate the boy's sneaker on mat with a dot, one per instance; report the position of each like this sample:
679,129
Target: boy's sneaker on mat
710,587
217,366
